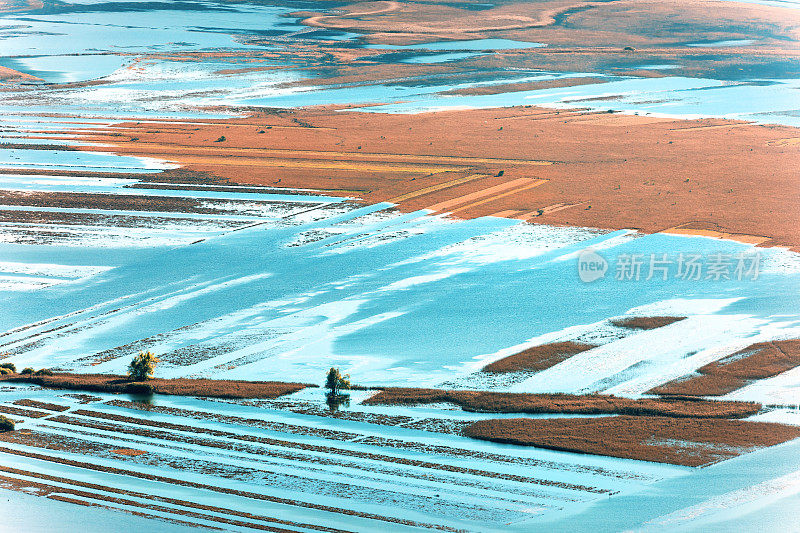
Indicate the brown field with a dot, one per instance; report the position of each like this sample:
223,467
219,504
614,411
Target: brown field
636,21
106,201
680,441
759,361
586,166
182,386
506,402
8,74
646,322
538,358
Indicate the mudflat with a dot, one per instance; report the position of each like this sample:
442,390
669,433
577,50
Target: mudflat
605,170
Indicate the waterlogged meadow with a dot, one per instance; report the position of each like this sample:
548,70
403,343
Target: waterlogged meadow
105,255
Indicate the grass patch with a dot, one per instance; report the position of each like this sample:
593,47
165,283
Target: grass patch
679,441
758,361
537,358
211,388
506,402
646,322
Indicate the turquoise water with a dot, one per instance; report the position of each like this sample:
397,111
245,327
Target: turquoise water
19,158
476,44
43,45
440,58
769,101
65,68
722,44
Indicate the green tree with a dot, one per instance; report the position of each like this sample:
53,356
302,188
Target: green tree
142,366
6,424
336,382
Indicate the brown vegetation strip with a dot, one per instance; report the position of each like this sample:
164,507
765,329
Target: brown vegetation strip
538,358
758,361
282,427
343,436
646,322
182,386
96,504
42,405
16,216
48,489
506,402
73,200
241,493
164,499
323,462
344,452
270,474
22,412
680,441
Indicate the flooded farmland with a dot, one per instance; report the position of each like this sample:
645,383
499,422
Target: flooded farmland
512,201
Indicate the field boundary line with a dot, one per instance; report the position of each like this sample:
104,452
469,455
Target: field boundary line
497,197
434,188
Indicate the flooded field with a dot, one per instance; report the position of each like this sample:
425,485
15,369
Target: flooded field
259,192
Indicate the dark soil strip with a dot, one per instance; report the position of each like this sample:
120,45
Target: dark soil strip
239,421
117,202
244,494
164,499
339,459
16,216
368,440
42,405
23,146
305,447
73,200
121,501
176,175
67,499
7,409
216,188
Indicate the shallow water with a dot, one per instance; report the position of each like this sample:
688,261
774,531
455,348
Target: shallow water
267,285
477,44
37,43
440,58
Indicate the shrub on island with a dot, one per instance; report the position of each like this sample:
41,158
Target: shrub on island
6,424
142,366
